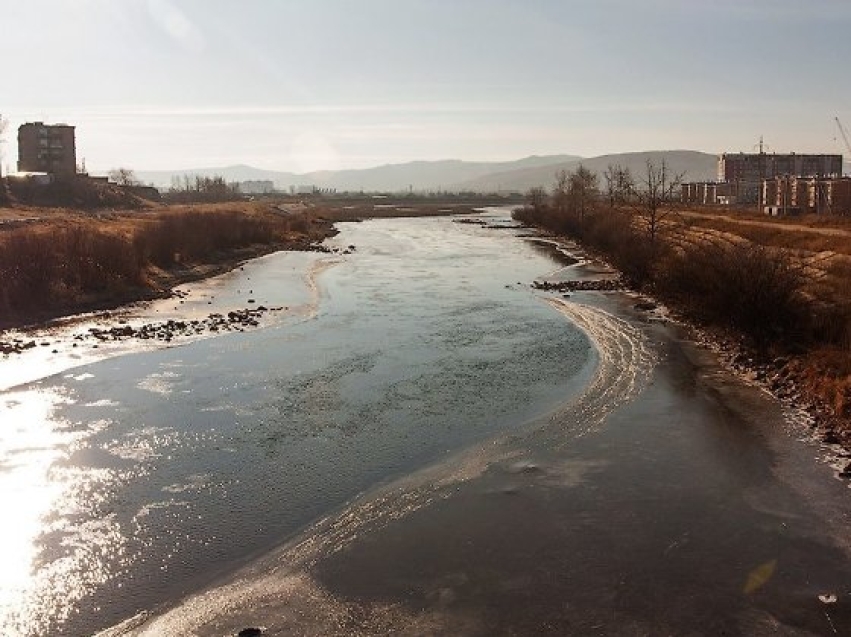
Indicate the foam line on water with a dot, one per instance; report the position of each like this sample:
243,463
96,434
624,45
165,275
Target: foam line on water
281,584
625,362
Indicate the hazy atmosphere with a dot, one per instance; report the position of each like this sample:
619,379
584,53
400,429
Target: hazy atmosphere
425,317
305,85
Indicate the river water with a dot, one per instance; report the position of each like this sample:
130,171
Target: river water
136,479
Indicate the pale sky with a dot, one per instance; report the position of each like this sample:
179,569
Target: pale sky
309,84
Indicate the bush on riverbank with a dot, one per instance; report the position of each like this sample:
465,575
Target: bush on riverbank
752,290
48,270
5,197
738,286
791,305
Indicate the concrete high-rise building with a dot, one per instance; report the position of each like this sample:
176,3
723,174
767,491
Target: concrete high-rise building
754,167
48,149
746,171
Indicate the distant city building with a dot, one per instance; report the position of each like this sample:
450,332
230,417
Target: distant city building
754,167
747,170
256,187
741,176
47,149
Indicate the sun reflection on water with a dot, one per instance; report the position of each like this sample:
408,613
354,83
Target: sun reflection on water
43,498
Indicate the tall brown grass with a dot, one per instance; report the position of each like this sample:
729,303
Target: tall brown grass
753,290
785,289
50,268
177,237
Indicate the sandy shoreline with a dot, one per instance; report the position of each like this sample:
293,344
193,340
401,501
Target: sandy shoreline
666,499
196,308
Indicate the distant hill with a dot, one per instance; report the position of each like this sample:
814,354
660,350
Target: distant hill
453,174
419,175
697,166
426,175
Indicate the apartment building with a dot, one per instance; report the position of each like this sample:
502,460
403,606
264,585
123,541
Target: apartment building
742,177
47,149
754,167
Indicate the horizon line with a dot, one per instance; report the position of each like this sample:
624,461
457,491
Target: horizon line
579,158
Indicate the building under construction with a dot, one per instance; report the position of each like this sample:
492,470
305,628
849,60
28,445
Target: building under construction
793,195
741,178
747,171
754,167
708,193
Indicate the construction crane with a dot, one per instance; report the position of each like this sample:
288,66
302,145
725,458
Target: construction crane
844,134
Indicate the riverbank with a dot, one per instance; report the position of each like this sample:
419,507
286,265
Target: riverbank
56,263
754,291
67,264
439,449
660,500
160,470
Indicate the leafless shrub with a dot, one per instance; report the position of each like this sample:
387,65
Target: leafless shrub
742,286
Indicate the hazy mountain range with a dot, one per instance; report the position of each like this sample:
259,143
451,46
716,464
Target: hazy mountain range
455,175
695,166
419,175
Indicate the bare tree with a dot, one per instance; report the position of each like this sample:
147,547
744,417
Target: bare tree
560,193
582,192
536,198
195,188
653,199
123,177
619,185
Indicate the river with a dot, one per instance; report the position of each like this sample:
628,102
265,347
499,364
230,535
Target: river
421,444
136,479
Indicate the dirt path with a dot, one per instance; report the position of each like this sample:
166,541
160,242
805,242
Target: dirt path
783,225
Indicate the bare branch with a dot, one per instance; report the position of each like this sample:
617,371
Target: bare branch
123,177
654,201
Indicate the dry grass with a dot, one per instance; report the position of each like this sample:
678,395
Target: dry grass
71,261
784,284
820,249
811,238
55,261
741,286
